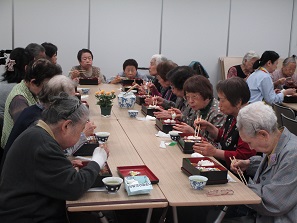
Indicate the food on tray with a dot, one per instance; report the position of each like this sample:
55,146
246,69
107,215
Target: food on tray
204,169
133,173
153,106
205,163
169,121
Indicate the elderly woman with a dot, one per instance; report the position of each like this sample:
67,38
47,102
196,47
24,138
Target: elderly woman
260,82
130,67
199,95
48,177
24,94
166,92
286,77
177,77
246,68
233,95
30,115
155,60
275,180
85,69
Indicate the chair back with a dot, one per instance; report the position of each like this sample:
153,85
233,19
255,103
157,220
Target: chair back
279,109
290,124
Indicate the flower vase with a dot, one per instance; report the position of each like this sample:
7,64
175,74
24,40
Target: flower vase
105,111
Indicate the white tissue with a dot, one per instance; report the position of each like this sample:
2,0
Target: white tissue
162,134
150,118
162,145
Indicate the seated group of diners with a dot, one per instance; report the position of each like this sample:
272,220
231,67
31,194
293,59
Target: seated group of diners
43,123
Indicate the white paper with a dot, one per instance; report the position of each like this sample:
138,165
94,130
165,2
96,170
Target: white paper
230,179
162,134
162,145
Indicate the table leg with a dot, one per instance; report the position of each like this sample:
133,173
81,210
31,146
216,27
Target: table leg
174,212
149,215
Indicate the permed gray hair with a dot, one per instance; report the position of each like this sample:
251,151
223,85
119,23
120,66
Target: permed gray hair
255,117
34,49
65,107
159,58
250,55
288,60
56,85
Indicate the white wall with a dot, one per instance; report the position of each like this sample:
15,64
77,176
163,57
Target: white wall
64,24
191,29
124,29
260,25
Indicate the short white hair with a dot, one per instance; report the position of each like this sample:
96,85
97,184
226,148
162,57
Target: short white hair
255,117
250,55
159,58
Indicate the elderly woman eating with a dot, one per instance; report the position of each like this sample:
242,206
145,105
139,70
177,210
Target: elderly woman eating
275,179
47,177
233,95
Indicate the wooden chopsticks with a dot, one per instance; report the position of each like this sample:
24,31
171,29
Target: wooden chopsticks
131,88
197,128
239,171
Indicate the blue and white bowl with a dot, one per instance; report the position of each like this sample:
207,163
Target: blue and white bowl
198,182
126,100
132,113
83,90
102,136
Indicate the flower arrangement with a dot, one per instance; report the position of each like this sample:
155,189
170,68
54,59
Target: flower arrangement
105,98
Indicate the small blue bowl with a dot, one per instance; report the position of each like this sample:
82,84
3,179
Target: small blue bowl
198,182
102,136
132,113
174,135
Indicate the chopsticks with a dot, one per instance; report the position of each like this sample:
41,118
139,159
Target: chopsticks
131,88
197,128
239,171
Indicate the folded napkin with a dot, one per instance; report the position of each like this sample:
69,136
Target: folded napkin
162,134
162,145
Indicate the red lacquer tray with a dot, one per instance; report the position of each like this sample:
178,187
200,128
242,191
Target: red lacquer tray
124,171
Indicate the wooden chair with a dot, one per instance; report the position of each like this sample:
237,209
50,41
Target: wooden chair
279,109
290,124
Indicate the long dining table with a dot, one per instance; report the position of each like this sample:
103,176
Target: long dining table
133,142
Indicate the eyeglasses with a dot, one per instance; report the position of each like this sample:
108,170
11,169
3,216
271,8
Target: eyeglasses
193,97
219,192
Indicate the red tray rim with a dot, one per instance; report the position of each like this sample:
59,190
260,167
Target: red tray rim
150,174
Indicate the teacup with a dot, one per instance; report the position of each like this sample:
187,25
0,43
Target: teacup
102,136
198,182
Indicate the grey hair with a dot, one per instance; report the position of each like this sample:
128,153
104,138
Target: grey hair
250,55
288,60
65,107
34,49
159,58
255,117
55,86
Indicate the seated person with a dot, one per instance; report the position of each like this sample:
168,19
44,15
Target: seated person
24,94
48,177
130,67
30,115
286,75
14,73
275,179
246,68
260,82
166,93
85,69
183,111
233,94
51,52
199,95
155,60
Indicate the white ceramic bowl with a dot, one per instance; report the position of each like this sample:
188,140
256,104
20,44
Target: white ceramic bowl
102,136
84,90
112,184
132,113
198,182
